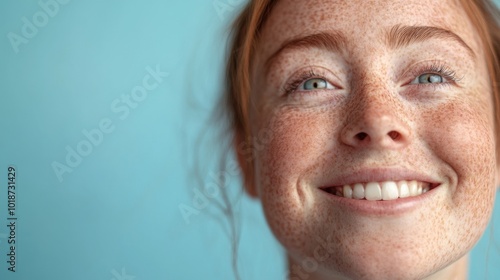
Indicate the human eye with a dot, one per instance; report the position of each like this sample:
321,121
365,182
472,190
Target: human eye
429,78
434,75
307,82
315,83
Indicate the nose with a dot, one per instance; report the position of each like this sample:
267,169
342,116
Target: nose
376,122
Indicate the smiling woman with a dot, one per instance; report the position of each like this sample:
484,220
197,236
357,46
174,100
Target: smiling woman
381,122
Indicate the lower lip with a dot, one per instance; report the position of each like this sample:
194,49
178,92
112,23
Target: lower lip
394,207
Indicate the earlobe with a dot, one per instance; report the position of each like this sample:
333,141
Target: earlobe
245,160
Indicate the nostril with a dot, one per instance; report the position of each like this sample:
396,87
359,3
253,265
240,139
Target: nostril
394,135
361,135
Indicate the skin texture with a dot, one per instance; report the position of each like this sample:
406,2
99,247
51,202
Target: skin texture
312,138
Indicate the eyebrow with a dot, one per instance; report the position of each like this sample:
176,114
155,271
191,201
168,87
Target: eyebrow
398,36
401,36
333,41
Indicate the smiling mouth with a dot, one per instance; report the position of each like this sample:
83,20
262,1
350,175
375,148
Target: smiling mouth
388,190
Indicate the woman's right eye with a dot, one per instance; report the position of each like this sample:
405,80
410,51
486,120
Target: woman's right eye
315,84
429,78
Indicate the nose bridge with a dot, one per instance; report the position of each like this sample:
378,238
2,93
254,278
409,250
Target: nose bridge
377,104
375,118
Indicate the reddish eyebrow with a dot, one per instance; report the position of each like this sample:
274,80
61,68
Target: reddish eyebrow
397,37
401,36
331,41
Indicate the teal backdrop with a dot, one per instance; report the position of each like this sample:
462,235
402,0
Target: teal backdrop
105,121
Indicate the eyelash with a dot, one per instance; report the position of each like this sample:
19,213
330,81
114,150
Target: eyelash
434,68
439,69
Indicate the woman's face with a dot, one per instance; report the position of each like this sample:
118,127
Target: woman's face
383,97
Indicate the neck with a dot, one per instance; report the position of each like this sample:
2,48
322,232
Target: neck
455,271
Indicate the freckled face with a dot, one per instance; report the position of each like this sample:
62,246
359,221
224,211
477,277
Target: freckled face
368,101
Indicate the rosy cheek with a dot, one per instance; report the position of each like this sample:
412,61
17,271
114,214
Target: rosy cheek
297,143
461,136
298,140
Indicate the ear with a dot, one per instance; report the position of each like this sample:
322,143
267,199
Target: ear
244,153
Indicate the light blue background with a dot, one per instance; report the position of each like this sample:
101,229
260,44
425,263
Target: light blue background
116,215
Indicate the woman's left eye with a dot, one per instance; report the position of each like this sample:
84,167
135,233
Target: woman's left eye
315,83
429,78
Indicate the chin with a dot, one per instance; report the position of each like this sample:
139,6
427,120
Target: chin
374,264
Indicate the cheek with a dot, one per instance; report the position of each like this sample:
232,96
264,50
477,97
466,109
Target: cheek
295,140
295,144
461,136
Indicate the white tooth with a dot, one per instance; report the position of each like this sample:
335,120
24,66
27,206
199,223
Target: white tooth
413,188
403,189
425,188
358,191
373,191
389,190
347,191
419,189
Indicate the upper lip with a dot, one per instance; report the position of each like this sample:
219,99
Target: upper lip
380,175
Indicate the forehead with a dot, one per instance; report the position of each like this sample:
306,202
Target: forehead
363,22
